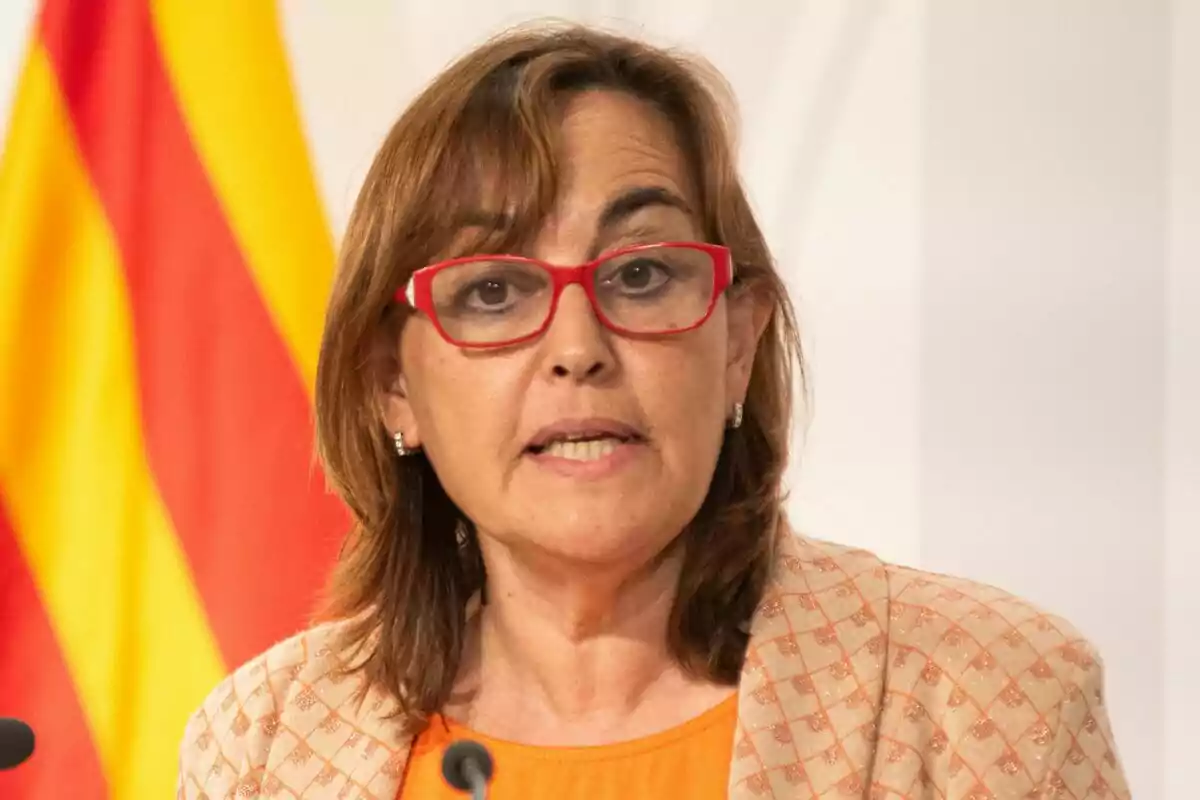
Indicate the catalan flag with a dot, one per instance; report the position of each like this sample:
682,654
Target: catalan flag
164,264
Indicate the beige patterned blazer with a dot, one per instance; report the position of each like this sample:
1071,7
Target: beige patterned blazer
862,680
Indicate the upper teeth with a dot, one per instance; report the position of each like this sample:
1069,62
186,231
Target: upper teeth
588,450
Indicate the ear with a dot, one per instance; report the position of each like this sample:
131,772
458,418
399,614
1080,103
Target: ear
749,313
398,414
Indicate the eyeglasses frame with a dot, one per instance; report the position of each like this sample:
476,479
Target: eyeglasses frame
418,290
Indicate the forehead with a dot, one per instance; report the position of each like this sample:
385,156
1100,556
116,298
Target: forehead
611,140
615,162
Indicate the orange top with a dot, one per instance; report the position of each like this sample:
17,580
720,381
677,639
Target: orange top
690,760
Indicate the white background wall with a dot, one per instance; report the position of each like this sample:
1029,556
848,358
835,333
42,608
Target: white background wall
989,213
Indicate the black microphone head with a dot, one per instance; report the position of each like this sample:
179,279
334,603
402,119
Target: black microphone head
16,742
461,759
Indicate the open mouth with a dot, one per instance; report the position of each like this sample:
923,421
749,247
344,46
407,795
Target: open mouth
583,447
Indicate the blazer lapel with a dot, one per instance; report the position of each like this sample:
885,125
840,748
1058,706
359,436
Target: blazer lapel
812,685
327,720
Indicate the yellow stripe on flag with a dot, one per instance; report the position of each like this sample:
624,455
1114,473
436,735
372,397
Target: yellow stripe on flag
73,471
229,70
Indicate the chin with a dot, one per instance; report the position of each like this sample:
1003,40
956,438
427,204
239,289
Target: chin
599,539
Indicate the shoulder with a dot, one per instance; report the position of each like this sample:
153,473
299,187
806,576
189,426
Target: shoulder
983,639
1008,696
931,617
926,607
976,689
228,741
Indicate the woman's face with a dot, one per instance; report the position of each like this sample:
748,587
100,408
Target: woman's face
489,420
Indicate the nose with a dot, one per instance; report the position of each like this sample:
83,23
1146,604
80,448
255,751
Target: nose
577,343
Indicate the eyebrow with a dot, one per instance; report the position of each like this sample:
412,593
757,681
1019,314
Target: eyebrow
617,211
628,203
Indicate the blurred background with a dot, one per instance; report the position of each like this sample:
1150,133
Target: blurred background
988,212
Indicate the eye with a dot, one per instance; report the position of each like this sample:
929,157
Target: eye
489,292
496,291
637,276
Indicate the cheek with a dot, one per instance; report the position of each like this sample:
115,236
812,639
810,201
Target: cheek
682,390
465,406
465,418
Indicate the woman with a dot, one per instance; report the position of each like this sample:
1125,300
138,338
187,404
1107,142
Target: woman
555,389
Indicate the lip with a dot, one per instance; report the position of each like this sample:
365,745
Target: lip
606,466
593,426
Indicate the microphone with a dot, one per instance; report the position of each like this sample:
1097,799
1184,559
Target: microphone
467,766
16,742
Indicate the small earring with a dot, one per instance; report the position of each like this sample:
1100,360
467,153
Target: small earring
736,422
401,450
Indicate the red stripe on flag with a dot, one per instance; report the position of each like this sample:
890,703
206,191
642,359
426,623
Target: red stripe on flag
227,423
36,687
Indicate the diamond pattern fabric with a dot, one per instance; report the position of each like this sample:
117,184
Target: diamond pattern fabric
862,680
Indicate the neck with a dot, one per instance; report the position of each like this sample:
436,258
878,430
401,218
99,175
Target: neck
579,641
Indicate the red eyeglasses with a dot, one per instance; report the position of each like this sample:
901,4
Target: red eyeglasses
495,301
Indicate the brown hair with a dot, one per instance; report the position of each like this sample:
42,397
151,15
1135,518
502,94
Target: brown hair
488,124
